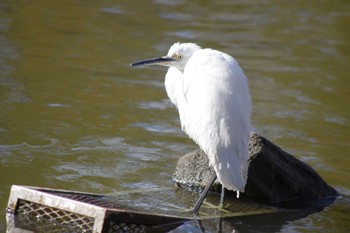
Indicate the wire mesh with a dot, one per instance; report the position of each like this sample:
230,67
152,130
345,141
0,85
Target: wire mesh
41,218
50,211
97,200
124,227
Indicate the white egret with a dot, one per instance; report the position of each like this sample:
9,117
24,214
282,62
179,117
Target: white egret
211,93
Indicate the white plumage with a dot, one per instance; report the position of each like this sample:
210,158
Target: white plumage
211,93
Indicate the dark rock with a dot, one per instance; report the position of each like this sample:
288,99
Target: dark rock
274,176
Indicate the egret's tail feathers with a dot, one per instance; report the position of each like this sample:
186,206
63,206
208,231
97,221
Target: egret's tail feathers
231,170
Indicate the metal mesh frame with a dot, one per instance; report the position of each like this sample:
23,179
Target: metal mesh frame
88,198
41,218
49,210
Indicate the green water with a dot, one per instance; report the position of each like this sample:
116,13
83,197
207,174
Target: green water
74,115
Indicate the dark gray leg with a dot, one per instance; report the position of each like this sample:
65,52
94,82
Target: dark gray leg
204,194
222,196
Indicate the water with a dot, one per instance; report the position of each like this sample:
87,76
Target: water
74,115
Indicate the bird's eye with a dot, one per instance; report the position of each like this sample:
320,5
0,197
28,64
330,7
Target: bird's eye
177,57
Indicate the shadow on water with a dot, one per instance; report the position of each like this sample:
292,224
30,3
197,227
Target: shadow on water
271,222
267,222
244,215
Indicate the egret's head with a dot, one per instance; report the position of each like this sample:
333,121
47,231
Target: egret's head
181,53
178,56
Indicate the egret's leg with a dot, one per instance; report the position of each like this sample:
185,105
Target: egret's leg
222,196
204,194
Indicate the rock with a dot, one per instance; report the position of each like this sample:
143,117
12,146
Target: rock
274,176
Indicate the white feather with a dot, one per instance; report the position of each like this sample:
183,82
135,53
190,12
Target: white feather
213,100
211,93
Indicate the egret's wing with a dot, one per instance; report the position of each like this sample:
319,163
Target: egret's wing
216,112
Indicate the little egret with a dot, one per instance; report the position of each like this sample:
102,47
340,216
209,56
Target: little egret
211,93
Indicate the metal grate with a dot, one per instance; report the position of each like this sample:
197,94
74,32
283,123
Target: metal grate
41,218
124,227
52,211
98,200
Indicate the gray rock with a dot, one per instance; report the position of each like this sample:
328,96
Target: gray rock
274,176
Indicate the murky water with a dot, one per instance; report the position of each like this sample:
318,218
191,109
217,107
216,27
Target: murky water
74,115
